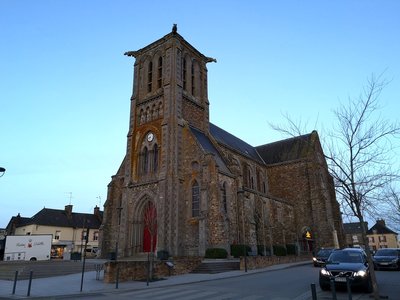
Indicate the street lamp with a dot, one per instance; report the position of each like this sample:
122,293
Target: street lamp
2,171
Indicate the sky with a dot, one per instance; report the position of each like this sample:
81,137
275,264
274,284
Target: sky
65,85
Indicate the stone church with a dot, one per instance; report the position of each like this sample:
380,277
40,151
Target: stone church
186,185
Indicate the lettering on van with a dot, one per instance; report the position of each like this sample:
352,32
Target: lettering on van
30,244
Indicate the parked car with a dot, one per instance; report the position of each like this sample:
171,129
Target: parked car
387,258
349,263
321,257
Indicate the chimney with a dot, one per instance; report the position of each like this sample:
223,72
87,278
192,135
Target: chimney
381,222
68,209
96,211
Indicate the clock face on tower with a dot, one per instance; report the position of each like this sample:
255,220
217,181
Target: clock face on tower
150,136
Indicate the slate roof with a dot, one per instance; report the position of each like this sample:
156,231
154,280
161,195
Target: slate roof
234,143
353,228
60,218
286,150
17,221
208,147
380,228
280,151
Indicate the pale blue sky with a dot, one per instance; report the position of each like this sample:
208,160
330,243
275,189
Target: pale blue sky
65,84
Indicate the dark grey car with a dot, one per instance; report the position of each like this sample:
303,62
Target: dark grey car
344,265
321,257
387,258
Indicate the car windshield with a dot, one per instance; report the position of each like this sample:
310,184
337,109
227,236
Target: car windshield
345,257
324,252
386,252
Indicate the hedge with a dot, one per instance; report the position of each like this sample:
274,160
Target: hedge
237,250
216,253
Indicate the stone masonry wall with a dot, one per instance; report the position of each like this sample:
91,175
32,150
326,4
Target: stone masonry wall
137,270
258,262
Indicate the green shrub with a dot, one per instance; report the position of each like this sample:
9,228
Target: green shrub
291,249
216,253
260,250
237,250
279,250
162,255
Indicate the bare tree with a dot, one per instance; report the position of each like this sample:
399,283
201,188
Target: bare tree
360,157
291,127
360,152
392,207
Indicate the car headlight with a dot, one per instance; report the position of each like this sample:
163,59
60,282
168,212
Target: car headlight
395,260
361,273
325,272
314,259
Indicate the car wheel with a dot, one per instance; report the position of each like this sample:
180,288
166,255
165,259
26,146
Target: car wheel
324,287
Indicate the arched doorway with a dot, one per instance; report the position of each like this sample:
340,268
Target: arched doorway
150,227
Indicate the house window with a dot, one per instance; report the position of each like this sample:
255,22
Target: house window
150,77
371,239
159,72
57,235
95,236
195,199
84,235
382,238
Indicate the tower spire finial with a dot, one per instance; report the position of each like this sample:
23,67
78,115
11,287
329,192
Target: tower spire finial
174,28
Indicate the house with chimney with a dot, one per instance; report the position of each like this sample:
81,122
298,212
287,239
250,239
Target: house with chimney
72,232
381,236
353,234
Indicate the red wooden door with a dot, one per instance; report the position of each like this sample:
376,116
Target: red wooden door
150,227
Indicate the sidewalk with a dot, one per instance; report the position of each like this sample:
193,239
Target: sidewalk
71,284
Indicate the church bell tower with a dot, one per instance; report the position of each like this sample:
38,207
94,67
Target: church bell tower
169,94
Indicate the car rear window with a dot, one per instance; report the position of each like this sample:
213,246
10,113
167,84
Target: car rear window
386,252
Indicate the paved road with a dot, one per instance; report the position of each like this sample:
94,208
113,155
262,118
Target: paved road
286,284
279,282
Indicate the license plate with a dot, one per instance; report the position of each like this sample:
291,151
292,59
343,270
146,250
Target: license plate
340,279
384,263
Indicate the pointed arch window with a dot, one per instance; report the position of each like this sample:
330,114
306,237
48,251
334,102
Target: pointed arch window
224,202
159,72
184,74
145,160
195,199
193,79
155,157
150,77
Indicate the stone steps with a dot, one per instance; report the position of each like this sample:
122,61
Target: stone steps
217,266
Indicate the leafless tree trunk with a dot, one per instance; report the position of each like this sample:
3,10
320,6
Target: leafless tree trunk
360,155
